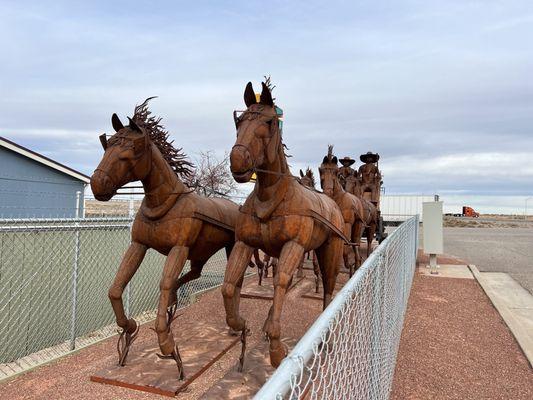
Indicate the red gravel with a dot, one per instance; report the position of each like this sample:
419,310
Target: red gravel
455,345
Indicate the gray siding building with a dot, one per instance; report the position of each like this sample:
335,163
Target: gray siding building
32,185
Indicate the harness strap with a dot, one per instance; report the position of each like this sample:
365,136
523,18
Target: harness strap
213,221
328,224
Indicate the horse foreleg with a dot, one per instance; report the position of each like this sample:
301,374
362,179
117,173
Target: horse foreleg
129,265
231,290
357,232
350,255
290,257
173,266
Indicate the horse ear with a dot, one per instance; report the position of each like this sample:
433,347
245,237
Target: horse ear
334,160
115,121
266,96
325,160
301,173
134,126
249,95
275,139
103,141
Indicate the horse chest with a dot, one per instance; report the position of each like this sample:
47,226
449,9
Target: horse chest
162,235
269,235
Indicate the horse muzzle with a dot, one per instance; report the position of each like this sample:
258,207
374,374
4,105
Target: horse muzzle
102,186
241,164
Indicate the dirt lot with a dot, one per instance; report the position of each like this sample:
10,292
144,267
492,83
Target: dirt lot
495,249
488,221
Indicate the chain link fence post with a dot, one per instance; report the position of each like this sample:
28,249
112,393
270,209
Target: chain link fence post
75,274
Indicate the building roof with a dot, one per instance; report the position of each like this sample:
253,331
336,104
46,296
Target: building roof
17,148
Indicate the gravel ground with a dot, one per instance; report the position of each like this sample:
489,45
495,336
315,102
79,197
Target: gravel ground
456,346
495,249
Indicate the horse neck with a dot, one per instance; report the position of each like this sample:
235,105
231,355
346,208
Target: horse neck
161,182
338,190
276,170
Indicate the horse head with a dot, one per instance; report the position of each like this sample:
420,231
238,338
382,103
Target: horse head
258,135
329,173
126,159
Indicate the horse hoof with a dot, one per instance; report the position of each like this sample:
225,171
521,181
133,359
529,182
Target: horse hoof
278,354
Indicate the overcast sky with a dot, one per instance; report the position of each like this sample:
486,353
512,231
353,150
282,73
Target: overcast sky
443,90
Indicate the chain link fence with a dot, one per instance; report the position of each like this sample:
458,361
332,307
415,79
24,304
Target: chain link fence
350,351
54,278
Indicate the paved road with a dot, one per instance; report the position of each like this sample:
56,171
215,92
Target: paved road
495,249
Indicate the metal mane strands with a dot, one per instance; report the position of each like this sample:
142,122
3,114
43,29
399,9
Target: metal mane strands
309,173
159,136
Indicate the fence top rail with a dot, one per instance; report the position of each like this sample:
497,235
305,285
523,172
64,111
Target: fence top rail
291,366
19,221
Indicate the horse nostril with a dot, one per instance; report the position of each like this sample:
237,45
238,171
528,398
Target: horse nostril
240,159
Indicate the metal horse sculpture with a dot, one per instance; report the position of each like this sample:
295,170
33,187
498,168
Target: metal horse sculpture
172,219
371,213
356,215
280,216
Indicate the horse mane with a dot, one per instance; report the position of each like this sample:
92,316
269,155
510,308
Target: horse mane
330,158
157,133
309,173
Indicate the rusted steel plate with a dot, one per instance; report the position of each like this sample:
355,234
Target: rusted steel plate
201,345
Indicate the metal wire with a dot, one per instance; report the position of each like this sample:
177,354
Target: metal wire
54,278
350,351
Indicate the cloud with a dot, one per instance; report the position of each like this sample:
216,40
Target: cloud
441,90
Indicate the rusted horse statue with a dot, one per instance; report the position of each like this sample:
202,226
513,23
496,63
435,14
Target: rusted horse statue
280,217
356,216
371,214
172,219
308,180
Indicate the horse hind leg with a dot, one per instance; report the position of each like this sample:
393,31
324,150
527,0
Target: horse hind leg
194,273
129,265
290,258
371,232
300,272
329,257
316,270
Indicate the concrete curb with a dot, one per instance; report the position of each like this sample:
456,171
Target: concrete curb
519,331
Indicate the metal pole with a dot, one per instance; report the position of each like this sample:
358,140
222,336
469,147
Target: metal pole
128,287
75,275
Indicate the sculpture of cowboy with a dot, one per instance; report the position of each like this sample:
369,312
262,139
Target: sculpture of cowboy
370,177
346,170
